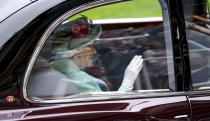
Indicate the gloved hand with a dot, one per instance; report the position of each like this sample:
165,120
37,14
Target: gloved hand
132,71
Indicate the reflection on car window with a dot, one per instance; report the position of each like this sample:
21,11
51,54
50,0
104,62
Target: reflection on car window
197,32
86,54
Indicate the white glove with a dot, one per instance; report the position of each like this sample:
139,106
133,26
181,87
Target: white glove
132,71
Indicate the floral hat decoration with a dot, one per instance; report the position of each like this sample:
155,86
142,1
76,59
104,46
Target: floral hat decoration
78,33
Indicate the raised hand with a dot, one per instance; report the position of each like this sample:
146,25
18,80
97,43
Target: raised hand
132,71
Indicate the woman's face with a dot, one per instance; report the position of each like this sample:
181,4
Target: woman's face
84,57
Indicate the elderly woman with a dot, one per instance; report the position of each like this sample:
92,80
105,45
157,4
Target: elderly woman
76,53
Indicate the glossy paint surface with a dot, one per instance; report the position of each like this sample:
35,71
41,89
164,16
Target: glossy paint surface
155,109
9,7
11,26
200,104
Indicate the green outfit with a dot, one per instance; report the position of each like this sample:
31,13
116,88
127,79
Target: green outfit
84,82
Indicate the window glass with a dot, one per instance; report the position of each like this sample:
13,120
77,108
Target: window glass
197,31
147,8
114,48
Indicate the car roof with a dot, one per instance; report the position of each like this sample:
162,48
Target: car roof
9,7
18,17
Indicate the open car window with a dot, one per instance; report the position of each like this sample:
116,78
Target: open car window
111,50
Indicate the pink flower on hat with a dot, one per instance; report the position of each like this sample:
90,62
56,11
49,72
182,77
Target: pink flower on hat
79,30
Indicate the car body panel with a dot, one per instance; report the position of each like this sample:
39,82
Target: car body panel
200,105
156,109
9,7
29,12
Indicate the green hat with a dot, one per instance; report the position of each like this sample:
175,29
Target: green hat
77,34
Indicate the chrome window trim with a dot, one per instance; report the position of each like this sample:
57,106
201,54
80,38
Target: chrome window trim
114,96
125,95
128,20
198,92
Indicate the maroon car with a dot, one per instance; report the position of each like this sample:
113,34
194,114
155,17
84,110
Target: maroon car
72,60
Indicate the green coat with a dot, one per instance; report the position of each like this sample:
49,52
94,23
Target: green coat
82,80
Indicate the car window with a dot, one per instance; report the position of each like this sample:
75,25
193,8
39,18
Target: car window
197,32
112,49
